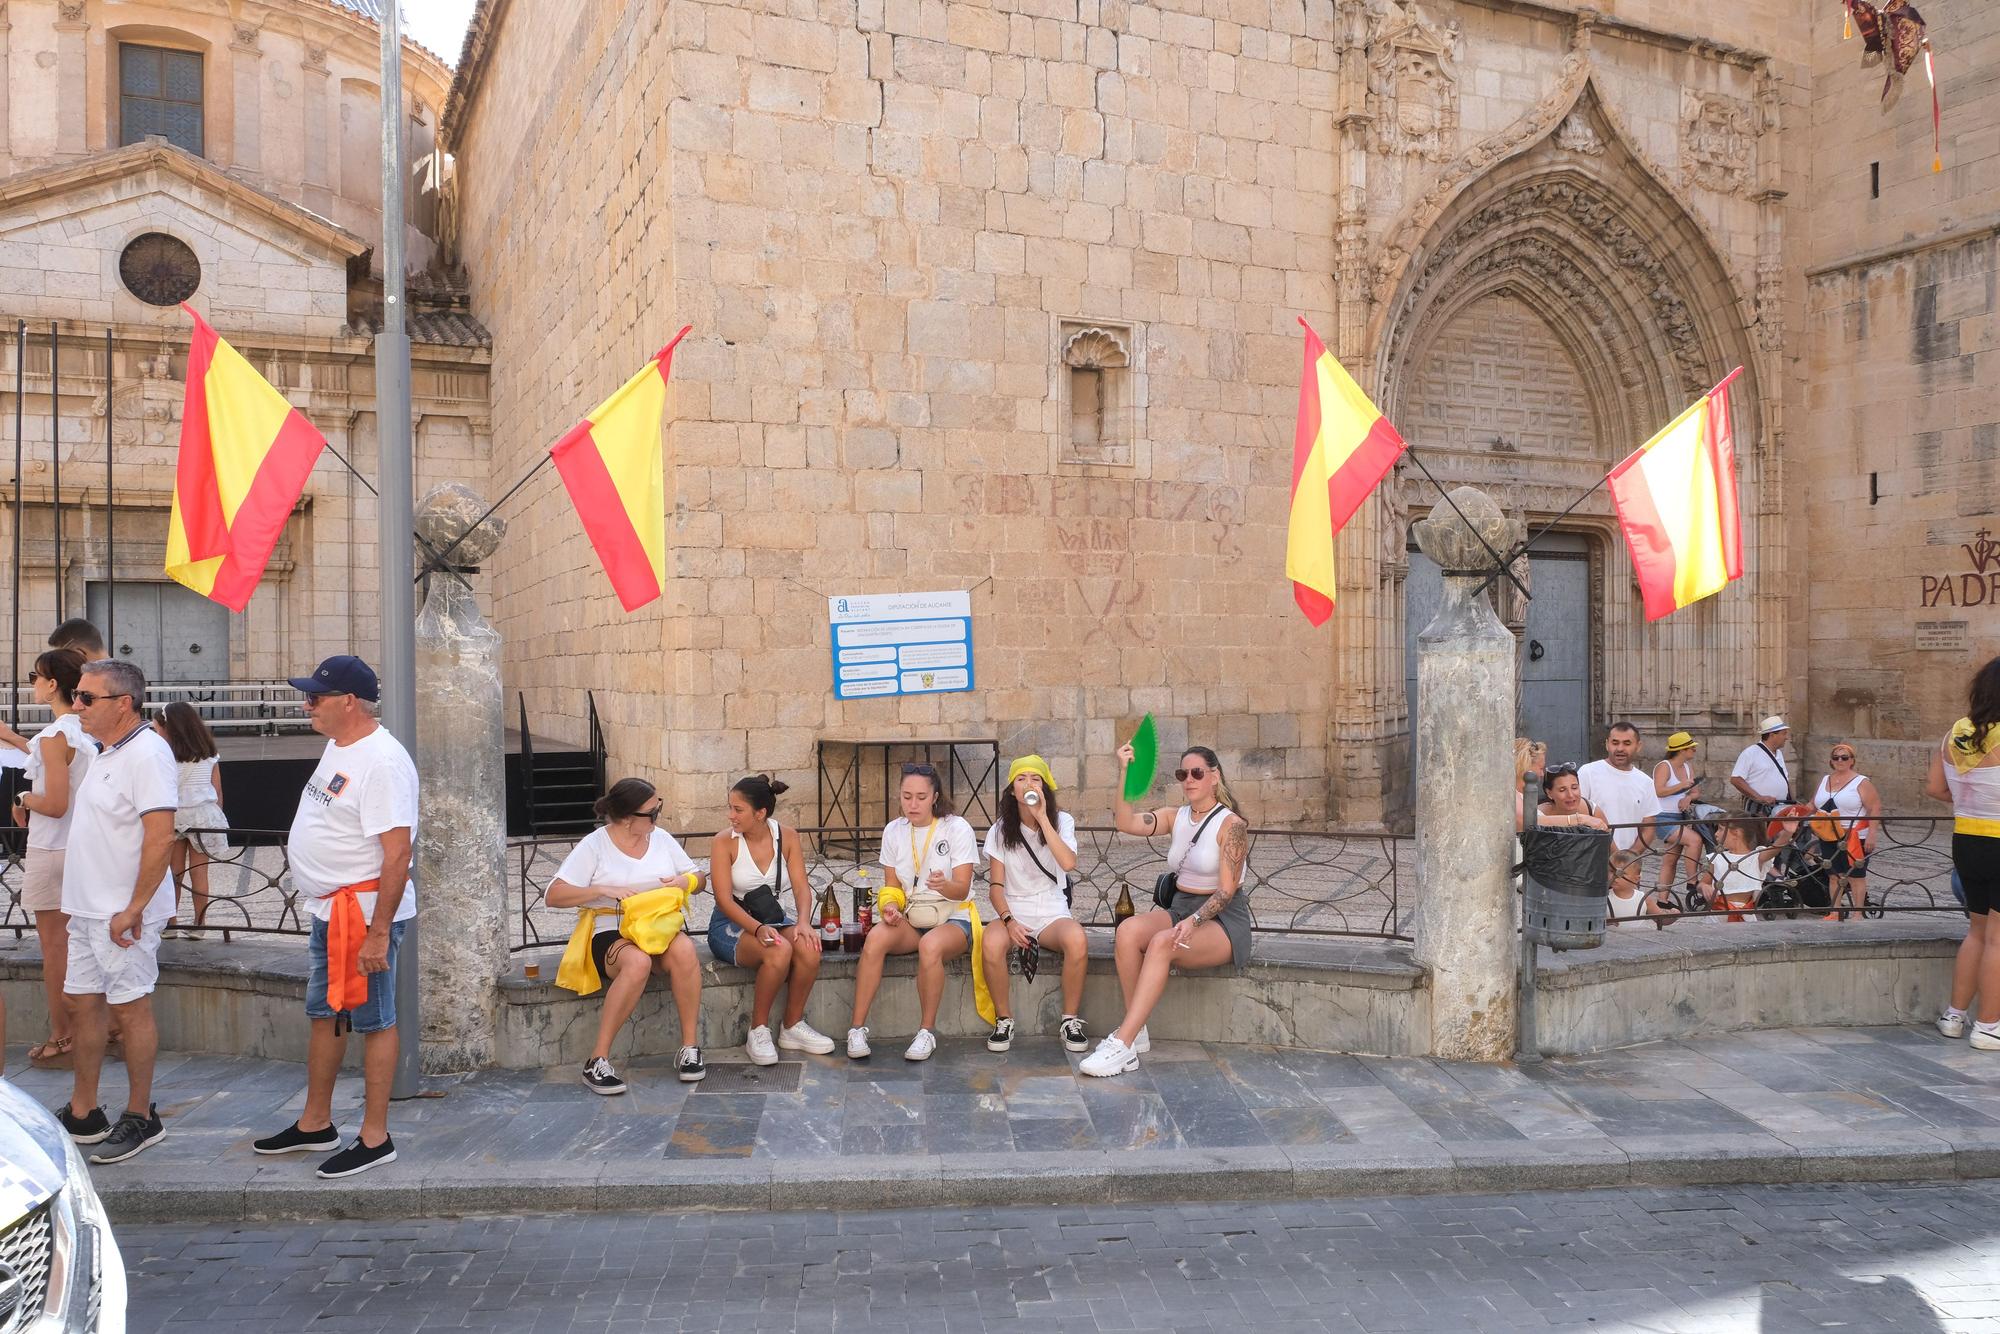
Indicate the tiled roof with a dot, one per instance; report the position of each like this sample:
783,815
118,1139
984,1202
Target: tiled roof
368,9
445,328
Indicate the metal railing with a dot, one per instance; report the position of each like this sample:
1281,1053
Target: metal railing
259,708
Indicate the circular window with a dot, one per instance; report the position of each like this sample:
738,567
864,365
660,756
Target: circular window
159,269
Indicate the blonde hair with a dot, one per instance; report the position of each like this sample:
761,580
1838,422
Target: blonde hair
1222,792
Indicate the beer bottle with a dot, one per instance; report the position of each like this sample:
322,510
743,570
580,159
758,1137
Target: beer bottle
829,919
1124,908
864,909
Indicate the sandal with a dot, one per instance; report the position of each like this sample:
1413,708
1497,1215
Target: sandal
53,1054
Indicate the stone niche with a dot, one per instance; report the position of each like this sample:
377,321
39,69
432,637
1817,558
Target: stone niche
1099,394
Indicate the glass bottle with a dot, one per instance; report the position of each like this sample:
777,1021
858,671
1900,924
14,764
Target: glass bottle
829,919
1124,908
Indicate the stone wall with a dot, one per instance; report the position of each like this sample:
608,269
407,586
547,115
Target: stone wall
888,220
1897,481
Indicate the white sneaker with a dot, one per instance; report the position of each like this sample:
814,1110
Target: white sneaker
802,1036
857,1044
759,1046
1986,1037
921,1046
1112,1057
1951,1025
1143,1043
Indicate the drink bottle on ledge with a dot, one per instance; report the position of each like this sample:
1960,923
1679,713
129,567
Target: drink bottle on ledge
829,919
864,915
1124,908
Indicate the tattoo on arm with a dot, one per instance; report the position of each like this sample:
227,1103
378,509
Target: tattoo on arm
1235,847
1151,821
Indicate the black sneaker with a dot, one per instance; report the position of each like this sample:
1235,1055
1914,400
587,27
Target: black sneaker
1072,1034
293,1140
84,1129
132,1134
600,1077
691,1068
357,1158
1002,1036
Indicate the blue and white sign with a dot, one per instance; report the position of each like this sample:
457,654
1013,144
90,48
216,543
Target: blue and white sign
901,644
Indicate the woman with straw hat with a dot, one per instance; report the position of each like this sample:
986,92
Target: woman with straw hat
1675,780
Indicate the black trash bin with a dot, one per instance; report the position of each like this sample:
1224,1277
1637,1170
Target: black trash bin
1564,881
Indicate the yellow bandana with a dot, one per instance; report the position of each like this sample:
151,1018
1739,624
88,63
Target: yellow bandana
1968,749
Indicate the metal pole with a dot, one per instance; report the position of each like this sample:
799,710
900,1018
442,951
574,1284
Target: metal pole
20,516
110,506
55,459
1529,1041
395,511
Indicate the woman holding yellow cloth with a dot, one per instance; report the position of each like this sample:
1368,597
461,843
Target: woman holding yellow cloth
1965,771
627,857
928,855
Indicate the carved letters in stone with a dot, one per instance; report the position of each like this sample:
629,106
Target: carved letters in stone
1413,82
1718,141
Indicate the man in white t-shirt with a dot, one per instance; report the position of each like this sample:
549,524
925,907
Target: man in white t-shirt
1622,792
349,850
1761,775
118,896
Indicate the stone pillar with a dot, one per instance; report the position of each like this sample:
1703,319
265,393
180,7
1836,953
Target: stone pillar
72,28
1466,915
462,887
318,127
246,59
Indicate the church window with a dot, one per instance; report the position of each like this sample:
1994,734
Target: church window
1098,362
159,269
160,92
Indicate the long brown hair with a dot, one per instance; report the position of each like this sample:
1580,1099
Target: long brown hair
1983,702
184,730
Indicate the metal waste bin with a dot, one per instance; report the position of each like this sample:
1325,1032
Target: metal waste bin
1564,880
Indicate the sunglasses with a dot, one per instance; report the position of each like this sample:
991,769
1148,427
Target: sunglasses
1197,773
314,701
1559,770
33,676
654,814
928,771
1848,758
88,698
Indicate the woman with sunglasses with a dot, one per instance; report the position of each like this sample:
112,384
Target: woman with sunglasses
629,854
1208,924
58,757
754,861
928,854
1563,805
1847,794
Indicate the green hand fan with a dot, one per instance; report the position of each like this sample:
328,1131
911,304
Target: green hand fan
1145,756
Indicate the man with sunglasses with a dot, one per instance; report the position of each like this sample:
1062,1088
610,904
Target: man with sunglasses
349,850
118,896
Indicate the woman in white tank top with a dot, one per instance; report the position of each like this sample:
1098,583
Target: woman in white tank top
1850,797
1965,771
755,854
1207,925
1675,780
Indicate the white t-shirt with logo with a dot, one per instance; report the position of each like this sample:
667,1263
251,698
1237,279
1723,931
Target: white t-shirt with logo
358,793
1622,796
1031,895
1765,775
914,853
50,833
129,779
597,862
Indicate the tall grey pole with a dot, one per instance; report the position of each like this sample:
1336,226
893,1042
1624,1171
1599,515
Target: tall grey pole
20,517
110,503
55,457
395,517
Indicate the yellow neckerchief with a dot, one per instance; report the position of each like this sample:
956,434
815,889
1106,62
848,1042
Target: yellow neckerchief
1967,750
649,919
892,896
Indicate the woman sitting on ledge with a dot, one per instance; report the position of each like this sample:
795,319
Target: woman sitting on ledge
1208,921
628,856
751,863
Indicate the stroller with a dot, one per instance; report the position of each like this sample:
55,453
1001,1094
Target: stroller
1796,880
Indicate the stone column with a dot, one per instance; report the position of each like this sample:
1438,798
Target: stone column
1466,915
72,51
462,887
246,59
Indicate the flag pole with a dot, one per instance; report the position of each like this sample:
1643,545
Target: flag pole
20,518
110,505
55,460
395,510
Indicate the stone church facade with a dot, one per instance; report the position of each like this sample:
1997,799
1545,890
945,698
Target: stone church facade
1001,296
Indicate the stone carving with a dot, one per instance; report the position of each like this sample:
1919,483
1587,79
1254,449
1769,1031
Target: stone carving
141,411
1576,135
1095,349
246,36
1770,326
70,11
315,58
450,510
1395,523
1412,83
1461,545
1718,141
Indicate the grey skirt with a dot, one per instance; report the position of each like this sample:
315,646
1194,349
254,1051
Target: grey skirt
1234,919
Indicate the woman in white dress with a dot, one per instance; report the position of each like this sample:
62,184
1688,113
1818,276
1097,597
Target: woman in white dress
199,822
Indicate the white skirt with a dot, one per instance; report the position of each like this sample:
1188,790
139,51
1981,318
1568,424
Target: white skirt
202,825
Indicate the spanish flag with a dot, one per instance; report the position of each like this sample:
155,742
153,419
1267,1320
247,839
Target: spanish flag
244,458
1342,448
616,475
1676,499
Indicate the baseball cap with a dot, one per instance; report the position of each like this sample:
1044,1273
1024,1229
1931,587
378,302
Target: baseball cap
343,674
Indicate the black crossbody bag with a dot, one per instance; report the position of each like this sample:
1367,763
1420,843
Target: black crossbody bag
762,901
1169,882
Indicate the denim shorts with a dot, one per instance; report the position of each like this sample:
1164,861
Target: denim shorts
723,935
379,1012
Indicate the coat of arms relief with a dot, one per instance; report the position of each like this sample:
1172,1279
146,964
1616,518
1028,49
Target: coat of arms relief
1412,81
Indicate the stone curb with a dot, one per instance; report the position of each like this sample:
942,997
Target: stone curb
228,1191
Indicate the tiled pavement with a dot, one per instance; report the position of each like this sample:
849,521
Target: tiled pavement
1194,1122
1914,1259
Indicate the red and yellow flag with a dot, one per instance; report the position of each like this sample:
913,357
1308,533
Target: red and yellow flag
1341,450
244,458
613,468
1676,498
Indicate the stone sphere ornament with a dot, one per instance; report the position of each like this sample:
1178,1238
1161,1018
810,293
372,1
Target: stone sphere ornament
449,510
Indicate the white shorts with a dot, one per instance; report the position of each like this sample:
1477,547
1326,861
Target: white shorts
1037,915
120,974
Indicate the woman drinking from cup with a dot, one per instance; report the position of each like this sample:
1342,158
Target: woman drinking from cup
752,863
1030,852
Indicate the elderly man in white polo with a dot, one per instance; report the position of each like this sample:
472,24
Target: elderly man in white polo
350,857
1761,775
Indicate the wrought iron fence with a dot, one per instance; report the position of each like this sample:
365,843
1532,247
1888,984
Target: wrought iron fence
249,890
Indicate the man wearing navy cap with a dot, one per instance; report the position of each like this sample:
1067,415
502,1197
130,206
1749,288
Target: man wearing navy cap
350,857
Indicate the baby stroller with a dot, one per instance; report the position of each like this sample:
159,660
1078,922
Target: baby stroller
1797,879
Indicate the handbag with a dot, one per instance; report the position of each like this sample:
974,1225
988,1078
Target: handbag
928,913
761,902
1168,883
